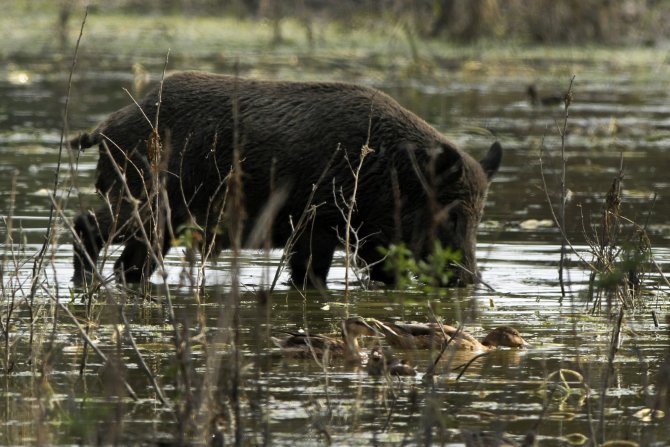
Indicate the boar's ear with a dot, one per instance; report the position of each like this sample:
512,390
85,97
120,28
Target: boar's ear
491,161
449,164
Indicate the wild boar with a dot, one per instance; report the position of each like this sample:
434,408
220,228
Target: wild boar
296,141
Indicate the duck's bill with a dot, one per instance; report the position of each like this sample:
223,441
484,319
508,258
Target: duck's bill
526,345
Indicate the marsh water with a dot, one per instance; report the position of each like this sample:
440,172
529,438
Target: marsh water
615,115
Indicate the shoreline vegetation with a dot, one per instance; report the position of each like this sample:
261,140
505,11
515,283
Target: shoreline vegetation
369,48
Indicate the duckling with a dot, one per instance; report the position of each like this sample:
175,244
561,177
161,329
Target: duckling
380,363
550,100
425,336
305,346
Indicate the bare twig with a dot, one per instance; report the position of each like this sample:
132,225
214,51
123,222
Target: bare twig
306,216
84,335
351,205
470,362
563,132
39,259
143,364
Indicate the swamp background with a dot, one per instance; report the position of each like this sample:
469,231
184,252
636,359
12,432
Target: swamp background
199,360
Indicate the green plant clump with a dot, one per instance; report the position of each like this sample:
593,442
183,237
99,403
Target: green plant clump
430,274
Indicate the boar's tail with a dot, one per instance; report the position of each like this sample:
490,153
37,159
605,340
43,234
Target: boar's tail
84,141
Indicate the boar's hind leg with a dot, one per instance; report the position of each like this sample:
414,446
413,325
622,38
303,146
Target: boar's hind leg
92,230
311,259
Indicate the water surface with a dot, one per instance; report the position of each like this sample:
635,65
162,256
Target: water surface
614,115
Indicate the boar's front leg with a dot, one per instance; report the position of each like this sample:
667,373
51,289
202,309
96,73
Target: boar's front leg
92,231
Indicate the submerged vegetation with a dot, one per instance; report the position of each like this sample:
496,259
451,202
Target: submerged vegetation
188,358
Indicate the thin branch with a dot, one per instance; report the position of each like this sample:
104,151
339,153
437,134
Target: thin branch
39,260
85,336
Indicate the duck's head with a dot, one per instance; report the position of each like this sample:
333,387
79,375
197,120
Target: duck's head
505,336
354,327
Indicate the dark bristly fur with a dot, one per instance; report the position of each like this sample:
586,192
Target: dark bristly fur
286,131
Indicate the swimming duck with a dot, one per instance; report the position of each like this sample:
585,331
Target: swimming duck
299,345
549,100
427,335
382,362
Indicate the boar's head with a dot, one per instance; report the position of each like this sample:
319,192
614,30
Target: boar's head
457,186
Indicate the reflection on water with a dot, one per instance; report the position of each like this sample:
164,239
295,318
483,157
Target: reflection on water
302,404
503,391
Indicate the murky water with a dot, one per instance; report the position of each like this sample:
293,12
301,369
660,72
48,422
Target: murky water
508,391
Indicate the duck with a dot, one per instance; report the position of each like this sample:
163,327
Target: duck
434,335
549,100
382,362
307,346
